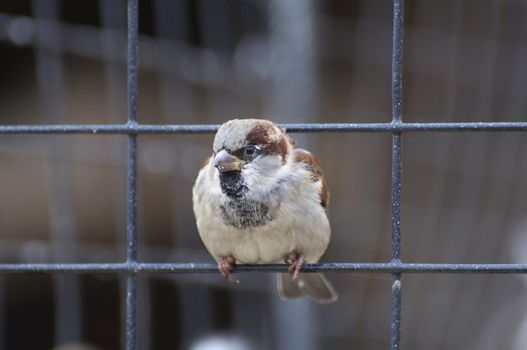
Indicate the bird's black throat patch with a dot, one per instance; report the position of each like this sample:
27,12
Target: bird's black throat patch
232,184
239,211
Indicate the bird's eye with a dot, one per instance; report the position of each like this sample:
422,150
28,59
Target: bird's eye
250,150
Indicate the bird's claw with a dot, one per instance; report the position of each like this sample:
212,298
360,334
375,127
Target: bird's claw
296,261
225,266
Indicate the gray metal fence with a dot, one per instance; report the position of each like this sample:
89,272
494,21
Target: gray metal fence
133,267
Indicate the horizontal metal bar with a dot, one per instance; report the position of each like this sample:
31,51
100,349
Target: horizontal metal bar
107,129
169,268
296,128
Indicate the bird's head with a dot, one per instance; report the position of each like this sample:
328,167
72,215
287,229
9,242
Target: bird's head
249,154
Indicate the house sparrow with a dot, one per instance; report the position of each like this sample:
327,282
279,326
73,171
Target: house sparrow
258,200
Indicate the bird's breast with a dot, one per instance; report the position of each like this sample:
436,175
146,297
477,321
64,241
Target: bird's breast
259,226
244,213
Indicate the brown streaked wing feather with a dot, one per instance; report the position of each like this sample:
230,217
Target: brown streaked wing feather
303,156
324,195
292,141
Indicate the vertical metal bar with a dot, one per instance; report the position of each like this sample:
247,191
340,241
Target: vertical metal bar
131,228
396,196
397,60
397,112
396,240
133,59
114,21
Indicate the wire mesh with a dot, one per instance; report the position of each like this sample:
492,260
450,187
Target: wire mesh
132,267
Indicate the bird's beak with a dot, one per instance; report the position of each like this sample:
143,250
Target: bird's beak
226,162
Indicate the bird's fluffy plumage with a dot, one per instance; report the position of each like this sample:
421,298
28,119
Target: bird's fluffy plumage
272,206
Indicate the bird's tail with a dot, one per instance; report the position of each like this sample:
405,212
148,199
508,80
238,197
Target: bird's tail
313,285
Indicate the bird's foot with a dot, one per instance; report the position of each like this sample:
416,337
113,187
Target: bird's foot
296,261
225,266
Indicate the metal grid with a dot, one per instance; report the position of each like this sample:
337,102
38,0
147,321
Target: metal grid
132,267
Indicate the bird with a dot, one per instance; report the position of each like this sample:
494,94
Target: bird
260,199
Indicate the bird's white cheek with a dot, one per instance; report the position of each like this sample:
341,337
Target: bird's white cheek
263,174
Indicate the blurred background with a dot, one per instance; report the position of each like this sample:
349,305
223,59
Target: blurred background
63,197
